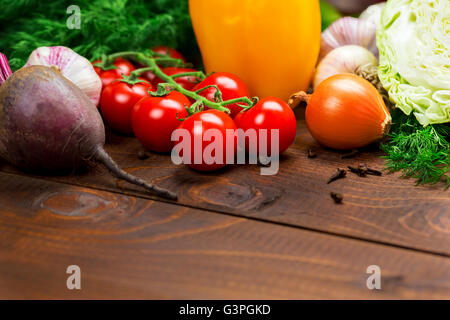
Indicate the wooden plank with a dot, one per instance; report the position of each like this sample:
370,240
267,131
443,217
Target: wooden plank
133,248
385,209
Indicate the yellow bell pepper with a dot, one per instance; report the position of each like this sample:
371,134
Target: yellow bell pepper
272,45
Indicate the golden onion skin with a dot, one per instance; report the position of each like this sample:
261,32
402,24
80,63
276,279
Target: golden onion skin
347,112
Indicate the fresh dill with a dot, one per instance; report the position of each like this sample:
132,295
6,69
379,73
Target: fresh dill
106,27
419,152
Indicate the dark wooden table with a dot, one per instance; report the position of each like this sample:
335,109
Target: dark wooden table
232,234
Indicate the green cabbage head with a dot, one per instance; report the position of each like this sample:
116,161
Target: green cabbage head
414,43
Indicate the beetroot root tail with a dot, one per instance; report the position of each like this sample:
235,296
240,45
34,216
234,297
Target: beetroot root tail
108,162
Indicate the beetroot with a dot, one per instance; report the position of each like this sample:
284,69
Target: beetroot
48,123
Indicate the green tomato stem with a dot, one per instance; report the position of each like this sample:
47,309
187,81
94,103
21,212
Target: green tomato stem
178,62
197,74
152,65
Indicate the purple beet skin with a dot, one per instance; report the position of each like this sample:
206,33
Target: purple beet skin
48,123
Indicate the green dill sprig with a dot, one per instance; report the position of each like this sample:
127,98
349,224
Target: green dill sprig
419,152
106,27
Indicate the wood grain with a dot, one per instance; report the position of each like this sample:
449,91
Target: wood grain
134,248
385,209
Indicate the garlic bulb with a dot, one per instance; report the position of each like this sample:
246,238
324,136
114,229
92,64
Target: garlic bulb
73,66
347,59
373,13
346,31
5,70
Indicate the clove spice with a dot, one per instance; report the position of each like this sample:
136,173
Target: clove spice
362,170
374,172
337,197
142,155
311,154
339,174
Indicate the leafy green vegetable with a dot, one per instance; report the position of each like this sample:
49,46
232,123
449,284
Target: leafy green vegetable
329,14
414,44
107,26
422,153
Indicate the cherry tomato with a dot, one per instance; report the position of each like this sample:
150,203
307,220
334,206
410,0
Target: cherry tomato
238,117
187,83
270,113
197,125
155,118
117,102
230,85
107,76
169,51
150,76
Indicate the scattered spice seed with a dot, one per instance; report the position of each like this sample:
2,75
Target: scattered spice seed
337,197
142,155
351,154
362,167
360,171
311,154
374,172
363,170
340,173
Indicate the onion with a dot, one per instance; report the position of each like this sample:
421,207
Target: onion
345,112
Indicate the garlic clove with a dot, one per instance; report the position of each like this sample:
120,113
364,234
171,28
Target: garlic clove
73,66
5,70
347,59
373,13
346,31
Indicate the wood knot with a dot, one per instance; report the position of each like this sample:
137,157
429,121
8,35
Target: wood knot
73,203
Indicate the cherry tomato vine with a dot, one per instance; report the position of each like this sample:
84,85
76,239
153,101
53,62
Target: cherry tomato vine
152,62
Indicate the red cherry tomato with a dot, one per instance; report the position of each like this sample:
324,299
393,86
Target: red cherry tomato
150,76
117,102
237,118
155,118
197,125
230,85
97,69
270,113
169,51
187,83
107,76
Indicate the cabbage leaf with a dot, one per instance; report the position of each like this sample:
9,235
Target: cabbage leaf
414,43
